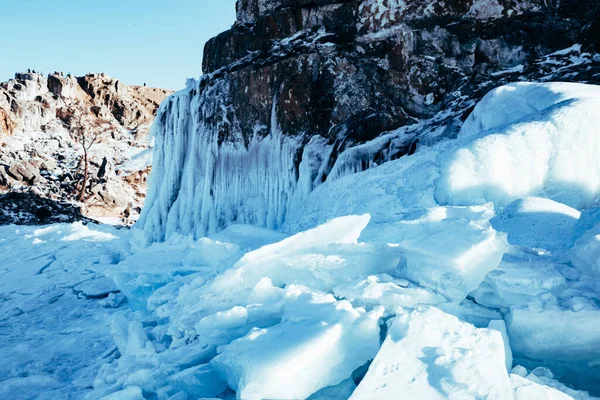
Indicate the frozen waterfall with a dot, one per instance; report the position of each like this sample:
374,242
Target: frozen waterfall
201,184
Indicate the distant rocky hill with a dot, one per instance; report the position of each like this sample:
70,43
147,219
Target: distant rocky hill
44,121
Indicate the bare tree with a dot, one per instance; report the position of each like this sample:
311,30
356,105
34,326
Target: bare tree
86,130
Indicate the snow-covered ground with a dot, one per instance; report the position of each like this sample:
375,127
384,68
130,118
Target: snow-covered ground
468,270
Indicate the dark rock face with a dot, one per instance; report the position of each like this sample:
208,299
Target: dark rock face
349,70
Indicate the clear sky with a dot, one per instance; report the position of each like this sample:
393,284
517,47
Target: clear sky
158,42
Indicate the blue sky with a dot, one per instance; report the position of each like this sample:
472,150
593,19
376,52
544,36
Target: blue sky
159,42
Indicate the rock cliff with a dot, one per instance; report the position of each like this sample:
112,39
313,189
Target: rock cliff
41,147
318,89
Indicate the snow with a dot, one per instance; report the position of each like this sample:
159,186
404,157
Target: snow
432,355
542,142
466,258
513,102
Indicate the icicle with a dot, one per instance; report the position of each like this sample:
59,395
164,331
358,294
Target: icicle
199,186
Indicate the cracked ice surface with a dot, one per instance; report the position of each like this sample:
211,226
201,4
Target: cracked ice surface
52,336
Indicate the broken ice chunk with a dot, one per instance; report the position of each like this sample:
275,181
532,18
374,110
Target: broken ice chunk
518,282
97,288
556,336
432,355
451,249
541,385
200,381
387,291
585,254
319,343
500,326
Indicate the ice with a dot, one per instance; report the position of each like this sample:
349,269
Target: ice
585,253
200,381
140,276
113,300
255,273
338,392
319,343
129,393
519,282
29,386
386,291
567,341
201,184
541,140
523,139
450,250
526,389
540,384
137,365
53,341
500,326
535,222
561,335
319,258
98,287
432,355
380,196
471,312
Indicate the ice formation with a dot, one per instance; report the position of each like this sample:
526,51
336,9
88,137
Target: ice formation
548,147
432,355
202,184
319,343
451,249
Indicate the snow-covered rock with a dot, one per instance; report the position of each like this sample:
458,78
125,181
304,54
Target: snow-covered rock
41,146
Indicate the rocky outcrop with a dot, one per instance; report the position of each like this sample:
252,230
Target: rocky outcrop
42,119
323,88
357,68
33,101
7,125
31,209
